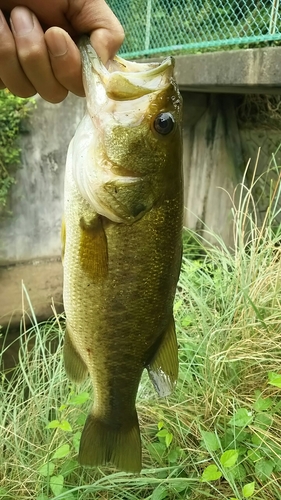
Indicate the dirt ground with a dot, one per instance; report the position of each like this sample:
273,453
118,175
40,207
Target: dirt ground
43,283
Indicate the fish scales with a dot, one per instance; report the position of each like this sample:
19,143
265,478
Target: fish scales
122,254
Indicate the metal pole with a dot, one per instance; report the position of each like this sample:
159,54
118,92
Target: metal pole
273,16
148,24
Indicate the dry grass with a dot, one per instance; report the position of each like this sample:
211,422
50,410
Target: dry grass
228,320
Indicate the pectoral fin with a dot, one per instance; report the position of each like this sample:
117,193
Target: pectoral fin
163,368
93,248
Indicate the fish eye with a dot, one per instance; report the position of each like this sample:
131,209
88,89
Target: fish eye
164,123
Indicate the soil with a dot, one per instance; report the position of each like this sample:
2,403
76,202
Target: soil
35,283
43,284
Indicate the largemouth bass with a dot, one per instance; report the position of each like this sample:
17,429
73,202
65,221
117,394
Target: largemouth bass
122,246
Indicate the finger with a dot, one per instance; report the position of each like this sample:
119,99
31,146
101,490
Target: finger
65,60
106,43
49,13
98,19
33,55
11,74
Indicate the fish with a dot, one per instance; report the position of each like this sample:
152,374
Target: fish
122,247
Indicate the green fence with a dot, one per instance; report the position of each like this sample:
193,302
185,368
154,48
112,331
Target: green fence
158,26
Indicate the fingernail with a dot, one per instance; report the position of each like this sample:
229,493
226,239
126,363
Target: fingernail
57,45
22,21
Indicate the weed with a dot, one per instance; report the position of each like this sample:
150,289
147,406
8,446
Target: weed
217,437
13,110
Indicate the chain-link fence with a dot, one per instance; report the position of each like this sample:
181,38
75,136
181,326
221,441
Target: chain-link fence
158,26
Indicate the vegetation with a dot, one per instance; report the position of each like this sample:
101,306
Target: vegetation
12,112
217,436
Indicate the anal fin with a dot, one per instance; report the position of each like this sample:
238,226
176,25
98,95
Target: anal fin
164,366
74,365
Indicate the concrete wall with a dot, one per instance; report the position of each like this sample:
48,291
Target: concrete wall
216,151
30,233
32,228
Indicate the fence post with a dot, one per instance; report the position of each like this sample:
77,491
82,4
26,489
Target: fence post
148,24
273,16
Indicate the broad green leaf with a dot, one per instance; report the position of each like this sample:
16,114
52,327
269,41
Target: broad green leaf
277,406
262,404
56,484
47,469
160,492
180,486
161,474
79,399
248,490
174,455
81,419
177,305
274,379
160,425
186,321
68,467
40,497
65,426
241,436
229,458
263,420
162,433
211,440
227,439
241,418
156,450
238,472
257,439
168,439
76,440
253,455
242,450
264,469
62,451
277,466
211,473
54,424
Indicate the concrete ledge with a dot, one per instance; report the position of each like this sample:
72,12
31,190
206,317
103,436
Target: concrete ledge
237,71
43,282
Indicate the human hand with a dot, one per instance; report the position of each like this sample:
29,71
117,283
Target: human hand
38,52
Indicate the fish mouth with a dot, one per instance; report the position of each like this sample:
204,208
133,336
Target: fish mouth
122,80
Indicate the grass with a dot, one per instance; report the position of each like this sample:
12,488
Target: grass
218,436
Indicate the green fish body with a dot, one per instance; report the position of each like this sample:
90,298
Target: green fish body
121,239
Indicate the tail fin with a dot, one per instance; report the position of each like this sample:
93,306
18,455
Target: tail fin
102,443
